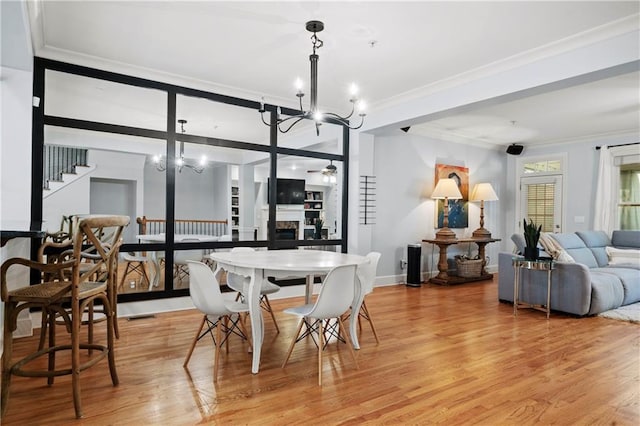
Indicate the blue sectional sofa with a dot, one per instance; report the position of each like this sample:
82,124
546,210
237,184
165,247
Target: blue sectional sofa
587,287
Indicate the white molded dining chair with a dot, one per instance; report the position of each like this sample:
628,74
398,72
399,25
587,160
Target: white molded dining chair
135,263
367,274
225,316
240,284
335,297
180,259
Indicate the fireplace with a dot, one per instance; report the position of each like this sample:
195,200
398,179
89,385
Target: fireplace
286,230
286,234
289,219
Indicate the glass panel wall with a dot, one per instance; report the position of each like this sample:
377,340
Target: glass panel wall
222,161
304,136
220,121
91,99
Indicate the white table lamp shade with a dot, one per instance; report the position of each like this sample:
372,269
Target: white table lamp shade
483,192
446,188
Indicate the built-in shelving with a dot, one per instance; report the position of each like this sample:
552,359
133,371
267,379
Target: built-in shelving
314,206
235,211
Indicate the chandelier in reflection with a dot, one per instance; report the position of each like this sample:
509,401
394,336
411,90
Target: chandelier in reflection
181,161
314,113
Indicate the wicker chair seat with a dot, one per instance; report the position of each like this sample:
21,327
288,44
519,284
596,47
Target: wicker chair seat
54,292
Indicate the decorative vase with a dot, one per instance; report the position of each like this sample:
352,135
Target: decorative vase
531,253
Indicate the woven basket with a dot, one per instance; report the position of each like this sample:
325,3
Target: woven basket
468,267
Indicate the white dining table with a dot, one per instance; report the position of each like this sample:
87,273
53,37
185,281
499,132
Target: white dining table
160,238
259,265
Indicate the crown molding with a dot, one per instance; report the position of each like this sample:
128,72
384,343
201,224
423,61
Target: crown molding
91,61
594,35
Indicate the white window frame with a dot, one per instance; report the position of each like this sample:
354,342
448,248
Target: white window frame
620,155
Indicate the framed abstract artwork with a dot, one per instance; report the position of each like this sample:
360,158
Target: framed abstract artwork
458,209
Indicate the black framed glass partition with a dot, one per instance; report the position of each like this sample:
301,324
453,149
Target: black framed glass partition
194,170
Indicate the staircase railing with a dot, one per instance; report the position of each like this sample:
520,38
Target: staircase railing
59,160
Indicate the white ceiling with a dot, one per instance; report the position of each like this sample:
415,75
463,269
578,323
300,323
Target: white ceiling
391,49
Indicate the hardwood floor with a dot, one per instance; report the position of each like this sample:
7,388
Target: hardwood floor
452,355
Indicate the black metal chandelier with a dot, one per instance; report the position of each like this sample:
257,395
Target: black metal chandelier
285,124
181,161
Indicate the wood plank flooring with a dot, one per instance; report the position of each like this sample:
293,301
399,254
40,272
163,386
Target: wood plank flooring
451,355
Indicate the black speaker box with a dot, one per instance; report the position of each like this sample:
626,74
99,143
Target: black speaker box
515,149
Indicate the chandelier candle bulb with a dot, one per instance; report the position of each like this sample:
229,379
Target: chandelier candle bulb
353,90
362,108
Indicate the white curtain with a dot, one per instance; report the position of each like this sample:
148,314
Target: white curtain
603,219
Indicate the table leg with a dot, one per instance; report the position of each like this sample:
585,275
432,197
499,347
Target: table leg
548,293
308,292
516,289
443,266
255,313
156,271
481,255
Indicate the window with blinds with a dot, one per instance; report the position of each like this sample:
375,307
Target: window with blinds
540,204
629,201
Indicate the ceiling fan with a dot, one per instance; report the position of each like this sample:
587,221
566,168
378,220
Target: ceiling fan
329,172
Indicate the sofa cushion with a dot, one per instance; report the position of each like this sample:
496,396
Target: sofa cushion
625,239
629,279
606,292
596,241
576,249
630,257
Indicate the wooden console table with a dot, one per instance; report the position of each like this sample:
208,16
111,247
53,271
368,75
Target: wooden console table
443,277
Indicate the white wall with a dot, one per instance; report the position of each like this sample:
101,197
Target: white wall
15,150
15,175
405,211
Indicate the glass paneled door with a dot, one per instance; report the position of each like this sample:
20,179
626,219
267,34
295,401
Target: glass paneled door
541,201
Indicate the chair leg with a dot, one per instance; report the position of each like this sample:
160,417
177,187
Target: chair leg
225,321
111,340
111,329
320,348
90,322
267,307
293,342
195,340
7,353
76,320
365,310
44,322
124,276
52,342
348,340
113,300
218,343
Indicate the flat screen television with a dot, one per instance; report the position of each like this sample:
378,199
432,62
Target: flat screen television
290,191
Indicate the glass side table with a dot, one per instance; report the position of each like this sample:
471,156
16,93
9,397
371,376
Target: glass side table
520,263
